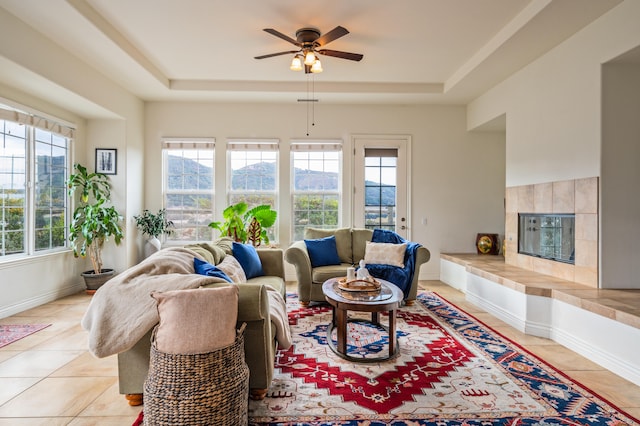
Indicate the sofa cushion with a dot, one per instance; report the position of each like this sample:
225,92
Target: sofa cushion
206,268
359,238
321,274
197,320
248,258
272,281
385,254
323,251
343,240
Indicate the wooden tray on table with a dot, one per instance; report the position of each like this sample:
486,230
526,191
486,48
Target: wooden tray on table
359,285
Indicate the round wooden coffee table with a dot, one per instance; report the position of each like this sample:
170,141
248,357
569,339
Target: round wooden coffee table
388,299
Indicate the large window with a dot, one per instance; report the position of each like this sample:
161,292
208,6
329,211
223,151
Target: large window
253,174
189,187
316,180
34,165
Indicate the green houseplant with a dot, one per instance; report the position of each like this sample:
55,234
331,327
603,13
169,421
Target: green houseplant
153,226
94,221
246,225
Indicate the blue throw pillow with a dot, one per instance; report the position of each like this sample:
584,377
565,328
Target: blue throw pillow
247,257
206,268
323,251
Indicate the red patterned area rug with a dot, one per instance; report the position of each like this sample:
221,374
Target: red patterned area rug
11,333
452,370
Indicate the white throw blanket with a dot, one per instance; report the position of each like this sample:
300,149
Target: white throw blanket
279,318
122,311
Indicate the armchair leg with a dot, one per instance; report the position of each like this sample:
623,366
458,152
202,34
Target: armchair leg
257,394
134,399
304,304
410,302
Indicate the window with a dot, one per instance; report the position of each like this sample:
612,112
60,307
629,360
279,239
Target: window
380,188
316,181
34,165
188,166
253,174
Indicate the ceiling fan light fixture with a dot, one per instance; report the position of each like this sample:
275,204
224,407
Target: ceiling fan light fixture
309,58
296,63
316,67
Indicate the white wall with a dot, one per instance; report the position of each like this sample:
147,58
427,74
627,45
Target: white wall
458,176
115,120
553,105
554,111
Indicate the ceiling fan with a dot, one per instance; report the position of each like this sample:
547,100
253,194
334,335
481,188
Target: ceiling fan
308,41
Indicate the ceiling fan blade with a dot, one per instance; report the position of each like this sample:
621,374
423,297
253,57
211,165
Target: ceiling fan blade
343,55
276,54
335,33
282,36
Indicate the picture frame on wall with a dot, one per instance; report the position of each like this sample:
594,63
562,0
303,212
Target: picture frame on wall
106,161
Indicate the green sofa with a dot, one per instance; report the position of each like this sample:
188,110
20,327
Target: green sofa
259,335
350,243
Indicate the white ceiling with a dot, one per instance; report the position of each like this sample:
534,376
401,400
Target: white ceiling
415,51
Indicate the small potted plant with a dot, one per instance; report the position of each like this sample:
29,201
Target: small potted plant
244,225
94,221
153,226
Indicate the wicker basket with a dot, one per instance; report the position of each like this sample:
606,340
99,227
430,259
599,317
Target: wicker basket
200,389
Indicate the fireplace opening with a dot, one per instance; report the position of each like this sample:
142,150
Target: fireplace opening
549,236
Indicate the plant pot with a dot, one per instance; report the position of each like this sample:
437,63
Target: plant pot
151,246
93,281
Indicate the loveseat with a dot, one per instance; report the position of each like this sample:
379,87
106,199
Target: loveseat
351,244
254,309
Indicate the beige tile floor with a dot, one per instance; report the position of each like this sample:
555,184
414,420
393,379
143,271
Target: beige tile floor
49,378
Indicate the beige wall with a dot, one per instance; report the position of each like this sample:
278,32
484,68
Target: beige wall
457,176
110,117
621,176
555,131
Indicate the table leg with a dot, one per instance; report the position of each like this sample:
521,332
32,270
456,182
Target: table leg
375,318
341,325
392,332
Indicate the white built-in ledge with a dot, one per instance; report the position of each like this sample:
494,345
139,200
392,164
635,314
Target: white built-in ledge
601,325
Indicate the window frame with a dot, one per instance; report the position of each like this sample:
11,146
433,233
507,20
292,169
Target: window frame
196,144
60,135
322,146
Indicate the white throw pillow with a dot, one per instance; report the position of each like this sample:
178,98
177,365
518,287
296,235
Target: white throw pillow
385,254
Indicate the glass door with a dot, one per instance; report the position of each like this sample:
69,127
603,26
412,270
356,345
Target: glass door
381,183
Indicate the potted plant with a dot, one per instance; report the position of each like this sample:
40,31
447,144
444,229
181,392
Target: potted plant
153,225
246,225
93,222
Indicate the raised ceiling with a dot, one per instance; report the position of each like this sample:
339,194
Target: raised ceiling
415,51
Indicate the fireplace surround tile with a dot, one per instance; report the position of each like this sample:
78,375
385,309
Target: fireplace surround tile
587,195
543,203
563,197
525,198
579,197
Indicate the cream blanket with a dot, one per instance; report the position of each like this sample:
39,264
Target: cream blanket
122,311
279,318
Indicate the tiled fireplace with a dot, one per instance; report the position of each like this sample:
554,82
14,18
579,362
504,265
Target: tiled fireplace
579,197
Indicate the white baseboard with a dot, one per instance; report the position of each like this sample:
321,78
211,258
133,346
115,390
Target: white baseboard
7,311
609,343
